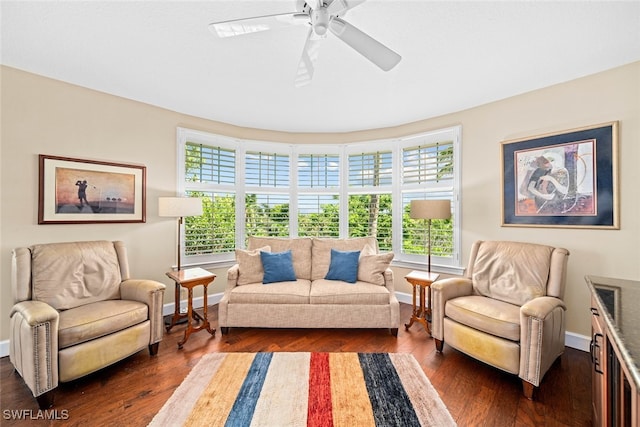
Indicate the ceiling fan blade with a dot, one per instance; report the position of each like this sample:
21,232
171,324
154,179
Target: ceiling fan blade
308,59
367,46
238,27
340,7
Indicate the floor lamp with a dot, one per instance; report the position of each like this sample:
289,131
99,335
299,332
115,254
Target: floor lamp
179,207
430,209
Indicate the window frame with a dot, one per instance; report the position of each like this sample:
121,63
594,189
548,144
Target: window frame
397,188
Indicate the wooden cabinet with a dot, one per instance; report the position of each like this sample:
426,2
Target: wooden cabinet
598,380
615,385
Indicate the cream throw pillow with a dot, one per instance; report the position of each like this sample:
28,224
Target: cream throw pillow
371,266
250,265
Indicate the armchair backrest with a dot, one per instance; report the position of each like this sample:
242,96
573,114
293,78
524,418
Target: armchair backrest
517,272
68,275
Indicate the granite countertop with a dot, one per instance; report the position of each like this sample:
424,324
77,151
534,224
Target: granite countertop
618,300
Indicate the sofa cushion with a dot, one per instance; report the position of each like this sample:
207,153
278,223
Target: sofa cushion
300,251
336,292
277,267
90,270
371,268
98,319
250,265
276,293
344,266
492,316
321,250
514,273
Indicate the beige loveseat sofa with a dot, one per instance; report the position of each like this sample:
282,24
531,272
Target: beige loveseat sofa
310,300
76,311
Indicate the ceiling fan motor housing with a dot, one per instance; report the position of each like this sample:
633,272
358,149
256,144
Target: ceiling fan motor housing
320,20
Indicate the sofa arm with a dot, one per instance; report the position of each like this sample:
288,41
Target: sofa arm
542,331
232,276
151,293
442,291
388,280
33,348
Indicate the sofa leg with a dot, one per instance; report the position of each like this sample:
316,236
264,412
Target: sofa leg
528,389
439,344
45,400
153,348
224,330
394,332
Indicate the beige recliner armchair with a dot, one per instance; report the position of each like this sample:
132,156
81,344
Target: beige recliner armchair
508,310
76,311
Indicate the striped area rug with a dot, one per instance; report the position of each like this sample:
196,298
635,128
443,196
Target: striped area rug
305,389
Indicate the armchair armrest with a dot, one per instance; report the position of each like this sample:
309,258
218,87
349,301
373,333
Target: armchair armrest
541,307
542,332
151,293
34,344
442,291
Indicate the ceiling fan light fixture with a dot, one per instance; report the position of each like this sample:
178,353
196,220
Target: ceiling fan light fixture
320,20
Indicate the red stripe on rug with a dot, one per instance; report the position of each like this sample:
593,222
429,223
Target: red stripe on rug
320,410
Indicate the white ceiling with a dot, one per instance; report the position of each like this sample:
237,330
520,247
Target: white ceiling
455,55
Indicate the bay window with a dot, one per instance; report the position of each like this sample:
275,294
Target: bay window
336,190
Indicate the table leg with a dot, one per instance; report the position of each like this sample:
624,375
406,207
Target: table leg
206,323
415,313
176,312
189,329
423,309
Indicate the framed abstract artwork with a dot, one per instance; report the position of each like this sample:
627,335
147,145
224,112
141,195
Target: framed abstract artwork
74,191
565,179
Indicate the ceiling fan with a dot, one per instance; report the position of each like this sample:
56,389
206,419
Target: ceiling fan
322,16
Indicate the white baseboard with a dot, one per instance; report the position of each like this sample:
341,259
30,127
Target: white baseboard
579,342
4,348
198,302
572,340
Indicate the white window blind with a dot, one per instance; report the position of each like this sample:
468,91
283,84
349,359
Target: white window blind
214,232
318,215
266,169
370,169
318,170
208,164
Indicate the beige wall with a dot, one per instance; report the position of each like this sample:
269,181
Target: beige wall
43,116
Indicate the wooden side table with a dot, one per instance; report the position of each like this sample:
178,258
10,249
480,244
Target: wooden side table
190,278
421,280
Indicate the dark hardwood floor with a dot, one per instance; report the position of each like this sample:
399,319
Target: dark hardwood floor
132,391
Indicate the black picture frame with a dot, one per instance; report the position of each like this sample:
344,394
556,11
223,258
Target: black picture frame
567,179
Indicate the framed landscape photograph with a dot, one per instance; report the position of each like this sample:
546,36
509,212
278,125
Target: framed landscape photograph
74,191
567,179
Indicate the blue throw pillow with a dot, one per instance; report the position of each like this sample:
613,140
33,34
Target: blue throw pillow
277,266
344,266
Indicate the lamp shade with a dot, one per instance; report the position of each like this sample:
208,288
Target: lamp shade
430,209
179,206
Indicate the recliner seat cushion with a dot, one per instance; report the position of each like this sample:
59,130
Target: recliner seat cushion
85,323
492,316
338,292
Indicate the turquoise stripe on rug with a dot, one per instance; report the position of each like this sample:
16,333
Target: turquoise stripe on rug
391,404
243,408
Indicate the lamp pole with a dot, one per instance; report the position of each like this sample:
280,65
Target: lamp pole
429,245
